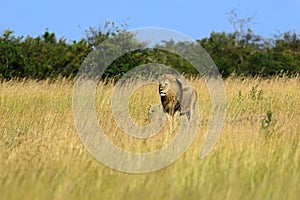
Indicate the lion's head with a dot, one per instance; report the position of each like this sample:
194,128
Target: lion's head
168,90
164,87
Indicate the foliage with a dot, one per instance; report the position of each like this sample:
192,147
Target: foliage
41,57
253,55
240,53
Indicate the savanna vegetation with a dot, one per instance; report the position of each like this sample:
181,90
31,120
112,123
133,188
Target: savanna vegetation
257,156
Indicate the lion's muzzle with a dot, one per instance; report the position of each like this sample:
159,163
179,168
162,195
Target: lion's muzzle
162,93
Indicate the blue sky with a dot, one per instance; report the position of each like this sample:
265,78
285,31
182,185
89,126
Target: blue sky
195,18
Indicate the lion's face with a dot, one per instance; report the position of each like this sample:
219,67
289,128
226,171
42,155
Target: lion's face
164,87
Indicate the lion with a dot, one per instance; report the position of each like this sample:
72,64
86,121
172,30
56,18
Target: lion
176,95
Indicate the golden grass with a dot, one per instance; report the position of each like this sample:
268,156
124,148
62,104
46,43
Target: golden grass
257,156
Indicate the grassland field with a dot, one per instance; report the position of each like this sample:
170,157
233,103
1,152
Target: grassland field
257,156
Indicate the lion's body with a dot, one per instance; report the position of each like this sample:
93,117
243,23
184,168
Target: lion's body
176,95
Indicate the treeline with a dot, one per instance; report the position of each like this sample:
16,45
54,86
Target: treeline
41,57
253,55
47,56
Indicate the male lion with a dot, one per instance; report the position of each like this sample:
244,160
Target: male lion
176,95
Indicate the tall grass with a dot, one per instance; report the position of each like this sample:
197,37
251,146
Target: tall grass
257,156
